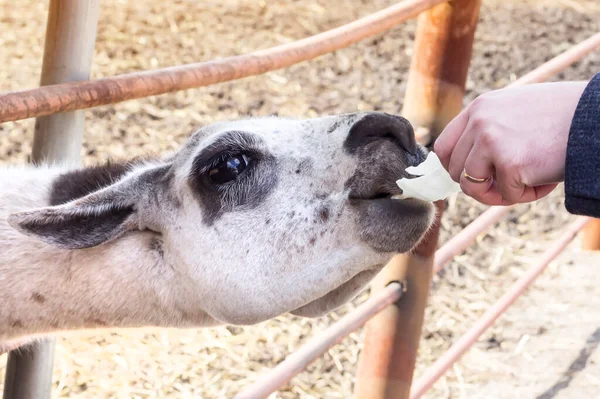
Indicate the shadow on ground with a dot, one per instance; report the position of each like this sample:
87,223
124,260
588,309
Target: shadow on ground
575,367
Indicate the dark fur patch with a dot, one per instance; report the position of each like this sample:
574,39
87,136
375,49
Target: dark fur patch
305,166
156,245
334,126
79,183
95,322
16,324
324,213
37,297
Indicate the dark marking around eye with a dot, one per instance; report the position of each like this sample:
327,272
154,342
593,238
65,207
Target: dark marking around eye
248,191
231,143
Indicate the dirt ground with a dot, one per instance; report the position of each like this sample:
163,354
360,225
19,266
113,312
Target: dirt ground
545,343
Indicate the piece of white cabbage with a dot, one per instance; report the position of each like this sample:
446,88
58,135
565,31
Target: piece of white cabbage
433,184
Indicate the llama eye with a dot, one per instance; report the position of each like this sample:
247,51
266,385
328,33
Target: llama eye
228,169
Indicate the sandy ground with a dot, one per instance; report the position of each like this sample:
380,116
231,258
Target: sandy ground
513,358
548,347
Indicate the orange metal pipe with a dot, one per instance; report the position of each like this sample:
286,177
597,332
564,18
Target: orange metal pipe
300,359
560,62
73,96
470,337
440,64
591,236
467,236
392,337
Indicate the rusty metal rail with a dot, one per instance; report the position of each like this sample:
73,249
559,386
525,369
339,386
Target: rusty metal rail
86,94
470,337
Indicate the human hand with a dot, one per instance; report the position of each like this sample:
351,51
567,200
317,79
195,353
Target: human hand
513,140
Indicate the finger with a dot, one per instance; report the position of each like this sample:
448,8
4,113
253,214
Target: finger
445,143
509,185
461,151
479,165
493,197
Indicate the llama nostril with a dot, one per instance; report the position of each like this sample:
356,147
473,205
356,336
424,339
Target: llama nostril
381,126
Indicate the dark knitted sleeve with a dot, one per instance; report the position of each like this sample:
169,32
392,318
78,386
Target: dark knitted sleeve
582,169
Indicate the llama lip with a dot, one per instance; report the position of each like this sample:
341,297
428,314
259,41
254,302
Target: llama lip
392,225
387,192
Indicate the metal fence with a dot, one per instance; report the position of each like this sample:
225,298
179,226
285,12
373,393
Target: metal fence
394,314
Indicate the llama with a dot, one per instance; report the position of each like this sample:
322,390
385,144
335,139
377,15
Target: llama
249,220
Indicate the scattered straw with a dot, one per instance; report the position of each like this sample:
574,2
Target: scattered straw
514,37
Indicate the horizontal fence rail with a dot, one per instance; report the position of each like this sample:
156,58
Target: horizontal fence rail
300,359
285,371
86,94
470,337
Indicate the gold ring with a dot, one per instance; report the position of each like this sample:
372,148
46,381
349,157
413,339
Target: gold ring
474,179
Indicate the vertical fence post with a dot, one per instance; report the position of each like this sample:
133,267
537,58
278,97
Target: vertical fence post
68,53
434,96
591,236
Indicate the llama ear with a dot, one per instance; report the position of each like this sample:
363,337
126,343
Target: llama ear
101,216
76,226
